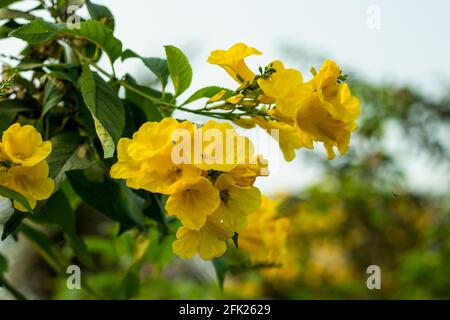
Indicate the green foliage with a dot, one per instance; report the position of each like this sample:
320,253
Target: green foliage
46,248
57,211
179,68
156,65
37,31
207,92
99,34
105,107
121,205
70,151
52,96
100,13
3,264
221,268
14,195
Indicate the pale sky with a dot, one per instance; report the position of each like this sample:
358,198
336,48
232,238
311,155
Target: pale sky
411,46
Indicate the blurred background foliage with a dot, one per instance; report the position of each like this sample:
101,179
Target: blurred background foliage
362,212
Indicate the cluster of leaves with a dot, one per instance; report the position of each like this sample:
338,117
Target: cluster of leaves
56,84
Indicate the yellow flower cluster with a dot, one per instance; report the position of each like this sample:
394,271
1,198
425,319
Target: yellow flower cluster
23,167
321,109
265,240
208,179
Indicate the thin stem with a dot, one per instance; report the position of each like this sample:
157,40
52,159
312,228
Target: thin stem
5,283
158,102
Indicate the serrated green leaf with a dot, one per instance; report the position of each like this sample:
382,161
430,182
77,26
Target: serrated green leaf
37,31
99,34
99,12
69,152
158,66
106,109
179,68
207,92
16,196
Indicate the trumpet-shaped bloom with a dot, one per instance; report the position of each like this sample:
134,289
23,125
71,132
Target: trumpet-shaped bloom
288,137
246,174
152,138
222,149
335,97
32,182
316,124
283,86
322,109
236,202
192,200
146,160
23,145
232,60
208,242
126,167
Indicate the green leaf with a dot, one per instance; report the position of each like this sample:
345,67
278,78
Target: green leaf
179,68
37,31
106,109
160,250
57,211
5,3
13,224
99,34
46,248
158,66
69,152
3,264
236,239
221,267
14,106
16,196
149,108
99,12
14,14
120,204
52,96
207,92
154,208
130,285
